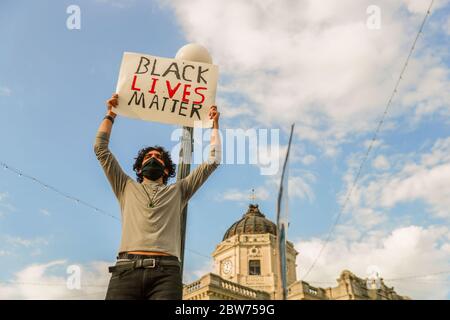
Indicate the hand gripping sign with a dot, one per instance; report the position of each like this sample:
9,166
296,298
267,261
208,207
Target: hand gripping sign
166,90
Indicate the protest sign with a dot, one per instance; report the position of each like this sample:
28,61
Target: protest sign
166,90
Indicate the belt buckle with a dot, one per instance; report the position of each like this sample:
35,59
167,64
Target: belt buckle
152,265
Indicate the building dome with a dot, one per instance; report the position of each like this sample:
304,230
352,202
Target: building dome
252,222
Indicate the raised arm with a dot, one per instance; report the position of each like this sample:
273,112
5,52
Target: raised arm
198,176
107,124
114,173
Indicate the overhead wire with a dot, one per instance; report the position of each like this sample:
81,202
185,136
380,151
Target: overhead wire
77,200
371,144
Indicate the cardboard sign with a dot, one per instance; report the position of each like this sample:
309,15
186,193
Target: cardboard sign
166,90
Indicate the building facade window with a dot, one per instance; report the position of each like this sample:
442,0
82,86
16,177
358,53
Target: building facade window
313,291
254,267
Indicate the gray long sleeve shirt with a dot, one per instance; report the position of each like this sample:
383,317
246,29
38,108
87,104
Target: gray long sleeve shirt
157,228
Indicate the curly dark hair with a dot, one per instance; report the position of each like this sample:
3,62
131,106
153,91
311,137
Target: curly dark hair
165,157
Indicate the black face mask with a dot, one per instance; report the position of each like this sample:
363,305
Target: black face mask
153,169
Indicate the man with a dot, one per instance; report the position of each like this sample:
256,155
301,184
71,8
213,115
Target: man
148,263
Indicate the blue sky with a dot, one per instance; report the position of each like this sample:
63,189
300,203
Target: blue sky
54,81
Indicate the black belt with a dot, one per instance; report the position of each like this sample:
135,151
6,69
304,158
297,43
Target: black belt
132,256
143,261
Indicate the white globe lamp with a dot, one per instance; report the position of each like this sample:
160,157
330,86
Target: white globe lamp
194,52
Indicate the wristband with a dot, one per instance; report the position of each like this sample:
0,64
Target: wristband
110,118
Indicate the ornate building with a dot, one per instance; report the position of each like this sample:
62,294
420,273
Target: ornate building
246,269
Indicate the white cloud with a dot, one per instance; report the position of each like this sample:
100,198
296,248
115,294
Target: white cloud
406,251
4,253
420,6
447,26
28,243
48,281
308,159
121,4
368,218
300,187
228,110
261,193
193,275
5,91
33,246
381,163
431,94
375,143
316,62
44,211
425,179
5,205
430,186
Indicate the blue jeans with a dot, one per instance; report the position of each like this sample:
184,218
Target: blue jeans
158,283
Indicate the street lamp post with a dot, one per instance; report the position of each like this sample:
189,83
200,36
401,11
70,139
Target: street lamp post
184,167
197,53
